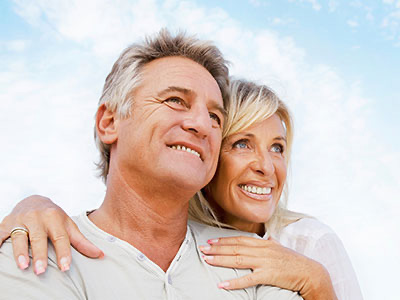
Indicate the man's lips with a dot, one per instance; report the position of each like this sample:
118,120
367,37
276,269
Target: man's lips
186,147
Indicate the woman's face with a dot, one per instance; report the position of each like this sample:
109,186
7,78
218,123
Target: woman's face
251,174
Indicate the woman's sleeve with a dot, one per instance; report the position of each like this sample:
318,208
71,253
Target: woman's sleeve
329,251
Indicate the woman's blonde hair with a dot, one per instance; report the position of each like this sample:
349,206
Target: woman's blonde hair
249,104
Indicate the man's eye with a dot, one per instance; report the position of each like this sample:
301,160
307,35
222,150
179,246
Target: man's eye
175,100
215,118
277,148
241,144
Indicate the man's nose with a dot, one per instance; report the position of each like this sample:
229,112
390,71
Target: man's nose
263,164
198,121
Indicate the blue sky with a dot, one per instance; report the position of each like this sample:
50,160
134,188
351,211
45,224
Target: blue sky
335,63
350,35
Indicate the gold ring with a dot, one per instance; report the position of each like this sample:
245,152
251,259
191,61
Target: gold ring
19,230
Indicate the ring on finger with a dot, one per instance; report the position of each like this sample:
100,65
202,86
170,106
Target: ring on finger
19,229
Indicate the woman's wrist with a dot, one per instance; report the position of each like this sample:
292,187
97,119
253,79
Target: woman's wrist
318,284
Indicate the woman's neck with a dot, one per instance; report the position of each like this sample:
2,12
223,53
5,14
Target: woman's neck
257,228
222,216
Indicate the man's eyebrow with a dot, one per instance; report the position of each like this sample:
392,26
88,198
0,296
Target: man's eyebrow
175,89
220,108
186,91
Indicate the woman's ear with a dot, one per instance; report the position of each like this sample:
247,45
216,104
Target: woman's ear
106,125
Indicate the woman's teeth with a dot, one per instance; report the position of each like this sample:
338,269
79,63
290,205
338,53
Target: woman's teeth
255,190
187,149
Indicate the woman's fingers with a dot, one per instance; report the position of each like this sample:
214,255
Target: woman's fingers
38,240
233,261
82,244
241,282
3,234
233,250
239,240
20,249
60,240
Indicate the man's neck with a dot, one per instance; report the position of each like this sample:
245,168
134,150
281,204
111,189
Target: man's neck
155,225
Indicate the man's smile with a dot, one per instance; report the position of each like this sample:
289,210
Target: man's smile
186,149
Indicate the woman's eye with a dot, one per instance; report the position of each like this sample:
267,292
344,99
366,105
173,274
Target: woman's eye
215,118
241,144
277,148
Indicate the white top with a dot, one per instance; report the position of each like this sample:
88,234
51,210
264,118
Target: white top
126,273
310,237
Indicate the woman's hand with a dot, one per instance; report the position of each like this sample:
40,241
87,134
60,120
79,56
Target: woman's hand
44,220
272,264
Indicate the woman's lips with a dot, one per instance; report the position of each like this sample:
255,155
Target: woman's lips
260,193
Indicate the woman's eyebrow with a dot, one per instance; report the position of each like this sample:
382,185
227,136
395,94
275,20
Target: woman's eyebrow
280,138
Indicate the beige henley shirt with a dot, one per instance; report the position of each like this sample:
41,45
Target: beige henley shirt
126,273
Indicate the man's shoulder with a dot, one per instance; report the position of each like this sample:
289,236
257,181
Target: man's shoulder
49,285
266,292
204,232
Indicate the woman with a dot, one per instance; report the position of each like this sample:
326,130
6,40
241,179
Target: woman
244,194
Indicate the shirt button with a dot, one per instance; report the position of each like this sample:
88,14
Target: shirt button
169,279
141,257
111,239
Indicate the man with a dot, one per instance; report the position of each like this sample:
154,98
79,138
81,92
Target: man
158,128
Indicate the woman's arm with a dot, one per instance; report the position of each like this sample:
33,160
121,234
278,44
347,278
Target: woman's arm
272,264
44,220
329,250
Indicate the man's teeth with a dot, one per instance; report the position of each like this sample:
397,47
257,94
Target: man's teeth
187,149
255,190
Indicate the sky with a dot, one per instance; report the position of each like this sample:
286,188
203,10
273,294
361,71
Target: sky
335,63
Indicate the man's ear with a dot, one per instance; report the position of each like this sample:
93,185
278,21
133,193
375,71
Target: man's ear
106,125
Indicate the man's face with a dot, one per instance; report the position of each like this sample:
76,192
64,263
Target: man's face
174,134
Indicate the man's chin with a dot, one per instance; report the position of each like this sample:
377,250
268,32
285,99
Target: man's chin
188,179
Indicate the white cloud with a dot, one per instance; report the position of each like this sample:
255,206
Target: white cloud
391,26
369,16
314,3
257,3
282,21
31,12
352,23
333,5
94,22
16,45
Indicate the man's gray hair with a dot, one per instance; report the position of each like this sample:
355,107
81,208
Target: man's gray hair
125,75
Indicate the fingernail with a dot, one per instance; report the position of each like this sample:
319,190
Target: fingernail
64,264
205,248
39,266
101,255
23,264
212,241
223,285
208,258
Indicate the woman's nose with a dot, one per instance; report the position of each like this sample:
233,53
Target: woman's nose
263,164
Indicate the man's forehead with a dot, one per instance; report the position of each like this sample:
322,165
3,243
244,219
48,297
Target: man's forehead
179,74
